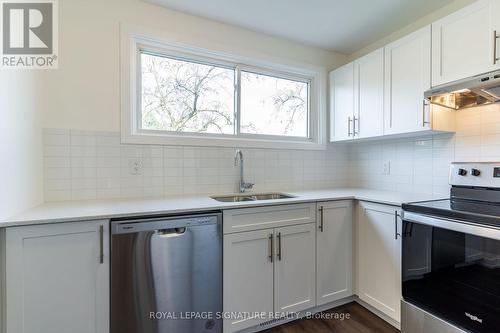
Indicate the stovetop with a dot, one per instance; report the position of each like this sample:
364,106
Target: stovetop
474,195
458,209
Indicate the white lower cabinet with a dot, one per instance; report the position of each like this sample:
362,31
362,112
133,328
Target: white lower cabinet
379,257
269,270
57,278
248,277
334,251
294,268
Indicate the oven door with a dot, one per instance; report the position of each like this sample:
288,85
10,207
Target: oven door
451,269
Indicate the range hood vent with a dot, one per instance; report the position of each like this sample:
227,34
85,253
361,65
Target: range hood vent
475,91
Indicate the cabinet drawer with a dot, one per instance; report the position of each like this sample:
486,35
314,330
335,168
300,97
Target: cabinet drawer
247,219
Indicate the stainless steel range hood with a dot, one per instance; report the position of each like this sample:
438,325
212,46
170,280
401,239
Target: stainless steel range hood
467,93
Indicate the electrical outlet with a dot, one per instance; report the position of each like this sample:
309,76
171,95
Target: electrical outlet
387,168
135,167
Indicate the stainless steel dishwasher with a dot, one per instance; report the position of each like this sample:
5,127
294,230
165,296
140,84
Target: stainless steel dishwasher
166,274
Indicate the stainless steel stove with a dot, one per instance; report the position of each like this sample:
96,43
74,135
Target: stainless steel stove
451,256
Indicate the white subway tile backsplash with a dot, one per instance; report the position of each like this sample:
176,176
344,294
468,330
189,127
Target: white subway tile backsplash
97,166
58,173
57,162
424,163
91,165
56,151
83,140
57,195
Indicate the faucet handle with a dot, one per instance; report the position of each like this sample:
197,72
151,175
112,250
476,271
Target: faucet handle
248,186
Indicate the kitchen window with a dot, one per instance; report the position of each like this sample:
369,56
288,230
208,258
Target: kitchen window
184,96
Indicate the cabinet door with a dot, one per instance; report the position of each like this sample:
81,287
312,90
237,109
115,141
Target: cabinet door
369,95
463,42
294,269
247,277
380,258
56,279
342,103
407,77
334,251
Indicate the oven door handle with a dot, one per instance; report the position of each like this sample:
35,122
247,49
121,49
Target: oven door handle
454,225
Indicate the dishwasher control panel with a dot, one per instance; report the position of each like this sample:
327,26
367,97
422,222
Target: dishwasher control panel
162,223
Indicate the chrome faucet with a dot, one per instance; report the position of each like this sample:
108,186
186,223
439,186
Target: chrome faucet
243,186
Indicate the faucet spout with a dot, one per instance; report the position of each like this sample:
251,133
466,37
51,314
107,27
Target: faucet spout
238,155
238,158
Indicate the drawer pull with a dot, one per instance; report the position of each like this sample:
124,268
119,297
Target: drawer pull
321,227
271,246
101,244
279,246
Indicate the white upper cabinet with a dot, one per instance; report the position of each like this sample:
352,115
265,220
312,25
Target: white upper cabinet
342,103
407,77
357,99
368,120
463,43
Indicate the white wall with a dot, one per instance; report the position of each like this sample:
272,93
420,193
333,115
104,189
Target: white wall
20,141
84,92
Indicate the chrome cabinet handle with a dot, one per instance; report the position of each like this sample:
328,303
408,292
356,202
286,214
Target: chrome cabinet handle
396,233
349,121
321,210
271,248
279,246
101,244
425,107
354,132
495,37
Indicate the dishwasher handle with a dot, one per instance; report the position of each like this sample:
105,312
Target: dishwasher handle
171,231
164,225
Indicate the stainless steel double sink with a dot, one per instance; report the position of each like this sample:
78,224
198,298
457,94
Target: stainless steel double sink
252,197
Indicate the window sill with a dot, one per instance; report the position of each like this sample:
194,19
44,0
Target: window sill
162,139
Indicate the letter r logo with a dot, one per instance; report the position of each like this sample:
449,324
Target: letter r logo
27,27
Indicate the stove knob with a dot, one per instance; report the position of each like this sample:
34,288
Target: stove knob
475,172
462,172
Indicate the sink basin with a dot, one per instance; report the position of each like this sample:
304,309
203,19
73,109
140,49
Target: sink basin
252,197
233,198
271,196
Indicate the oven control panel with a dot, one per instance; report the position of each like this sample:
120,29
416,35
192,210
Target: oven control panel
481,174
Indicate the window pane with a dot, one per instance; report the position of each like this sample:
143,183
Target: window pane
273,106
182,96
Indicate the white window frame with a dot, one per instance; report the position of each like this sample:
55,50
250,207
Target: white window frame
135,39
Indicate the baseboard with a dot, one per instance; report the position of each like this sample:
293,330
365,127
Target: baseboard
302,314
378,313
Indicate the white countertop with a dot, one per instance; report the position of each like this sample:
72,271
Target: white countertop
69,211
